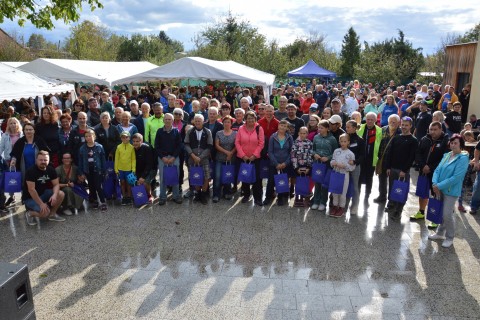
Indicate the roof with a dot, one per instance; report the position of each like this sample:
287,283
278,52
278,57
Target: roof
311,70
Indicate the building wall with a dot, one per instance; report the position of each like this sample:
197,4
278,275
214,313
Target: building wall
474,105
459,59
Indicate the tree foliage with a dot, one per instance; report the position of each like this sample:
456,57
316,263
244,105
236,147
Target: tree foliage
158,49
471,35
89,41
350,53
41,16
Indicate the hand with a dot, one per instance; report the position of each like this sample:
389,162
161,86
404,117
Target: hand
477,166
53,200
44,210
351,162
141,181
252,158
229,156
388,172
426,170
82,178
324,159
401,174
245,158
436,191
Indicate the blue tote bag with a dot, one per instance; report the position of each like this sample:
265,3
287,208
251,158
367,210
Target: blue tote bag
281,183
326,179
110,167
302,185
423,187
139,194
80,190
351,188
435,210
319,169
108,186
170,175
228,173
13,181
196,176
399,192
336,182
264,168
246,173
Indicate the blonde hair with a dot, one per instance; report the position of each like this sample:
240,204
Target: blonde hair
19,126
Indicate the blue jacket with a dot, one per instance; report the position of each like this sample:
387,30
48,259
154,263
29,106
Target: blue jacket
448,176
277,154
98,155
387,111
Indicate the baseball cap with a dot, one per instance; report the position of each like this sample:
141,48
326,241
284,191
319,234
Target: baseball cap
335,119
336,100
125,133
313,107
134,102
424,102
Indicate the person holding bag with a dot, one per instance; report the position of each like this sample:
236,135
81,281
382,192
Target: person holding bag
447,185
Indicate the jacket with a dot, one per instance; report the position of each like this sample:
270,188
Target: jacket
277,154
98,156
168,143
357,146
341,156
200,148
109,143
324,146
75,141
17,150
144,160
138,122
6,145
448,176
378,139
151,128
430,152
125,159
249,143
302,153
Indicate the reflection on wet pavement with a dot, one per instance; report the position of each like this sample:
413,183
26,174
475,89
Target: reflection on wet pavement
236,261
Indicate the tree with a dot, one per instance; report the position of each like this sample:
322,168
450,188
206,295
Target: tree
37,41
471,35
41,15
350,53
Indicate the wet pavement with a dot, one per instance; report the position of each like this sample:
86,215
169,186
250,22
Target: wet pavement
235,261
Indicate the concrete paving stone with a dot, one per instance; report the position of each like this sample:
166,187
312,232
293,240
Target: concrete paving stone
337,303
296,315
295,286
310,302
346,288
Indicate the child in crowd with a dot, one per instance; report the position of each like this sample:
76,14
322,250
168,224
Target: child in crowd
91,166
341,163
466,127
302,158
125,163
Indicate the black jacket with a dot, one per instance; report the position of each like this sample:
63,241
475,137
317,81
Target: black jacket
109,143
17,150
357,146
144,156
430,152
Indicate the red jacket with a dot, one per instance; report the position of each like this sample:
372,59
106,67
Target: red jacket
269,127
305,107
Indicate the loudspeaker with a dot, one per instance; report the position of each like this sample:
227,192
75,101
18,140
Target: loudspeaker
16,299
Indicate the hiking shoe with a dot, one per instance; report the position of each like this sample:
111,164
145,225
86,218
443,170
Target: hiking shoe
56,218
314,206
461,209
321,207
432,226
67,212
436,236
30,220
417,216
162,202
447,243
10,201
103,207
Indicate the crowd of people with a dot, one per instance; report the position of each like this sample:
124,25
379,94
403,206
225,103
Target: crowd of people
315,143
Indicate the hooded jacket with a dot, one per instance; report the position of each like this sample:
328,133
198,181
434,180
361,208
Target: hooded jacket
448,176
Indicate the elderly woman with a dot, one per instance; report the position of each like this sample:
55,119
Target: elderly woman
198,145
440,117
107,135
225,145
47,128
12,133
239,116
249,143
126,125
68,176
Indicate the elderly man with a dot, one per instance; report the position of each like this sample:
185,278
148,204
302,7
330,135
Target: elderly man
281,113
134,110
372,135
388,133
198,145
118,116
42,195
93,114
154,123
321,97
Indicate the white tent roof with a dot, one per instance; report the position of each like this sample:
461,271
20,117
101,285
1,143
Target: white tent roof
99,72
14,64
16,84
200,68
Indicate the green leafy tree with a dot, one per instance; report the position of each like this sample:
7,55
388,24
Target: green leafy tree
41,16
471,35
350,53
37,42
88,41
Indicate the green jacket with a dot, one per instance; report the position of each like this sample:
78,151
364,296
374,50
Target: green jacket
378,139
151,128
324,146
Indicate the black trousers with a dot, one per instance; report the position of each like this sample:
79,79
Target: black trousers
257,186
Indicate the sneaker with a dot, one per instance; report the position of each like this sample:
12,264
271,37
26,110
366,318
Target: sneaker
353,211
67,212
103,207
447,243
436,236
461,209
95,205
340,212
10,201
333,211
30,220
379,200
162,202
298,203
417,216
258,203
76,212
188,194
432,226
321,207
56,218
215,199
315,206
178,201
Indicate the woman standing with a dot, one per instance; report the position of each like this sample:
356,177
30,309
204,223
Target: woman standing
107,135
11,135
387,109
78,106
249,143
25,150
64,131
312,126
225,146
47,128
327,113
447,185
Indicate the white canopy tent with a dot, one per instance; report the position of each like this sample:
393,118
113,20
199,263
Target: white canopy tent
16,84
98,72
205,69
14,64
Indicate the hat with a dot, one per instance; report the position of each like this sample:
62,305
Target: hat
125,133
335,119
424,102
134,102
336,100
313,107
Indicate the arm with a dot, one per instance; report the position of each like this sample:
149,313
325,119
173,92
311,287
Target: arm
238,144
178,144
44,209
206,153
457,177
188,149
117,158
261,143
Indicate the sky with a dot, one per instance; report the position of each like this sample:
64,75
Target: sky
424,23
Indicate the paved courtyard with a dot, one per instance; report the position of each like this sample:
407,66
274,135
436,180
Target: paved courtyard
235,261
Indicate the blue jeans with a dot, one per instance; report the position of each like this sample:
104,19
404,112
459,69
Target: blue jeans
163,187
32,205
217,181
475,204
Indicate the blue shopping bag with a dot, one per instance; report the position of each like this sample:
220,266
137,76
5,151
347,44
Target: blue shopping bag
140,196
336,182
118,189
264,168
435,210
13,181
423,187
351,188
228,173
302,186
326,178
80,190
319,169
196,176
246,173
170,175
108,186
281,183
399,192
110,167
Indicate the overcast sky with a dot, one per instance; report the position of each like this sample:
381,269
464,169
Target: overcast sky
423,22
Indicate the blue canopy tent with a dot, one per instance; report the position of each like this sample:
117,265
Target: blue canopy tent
311,70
